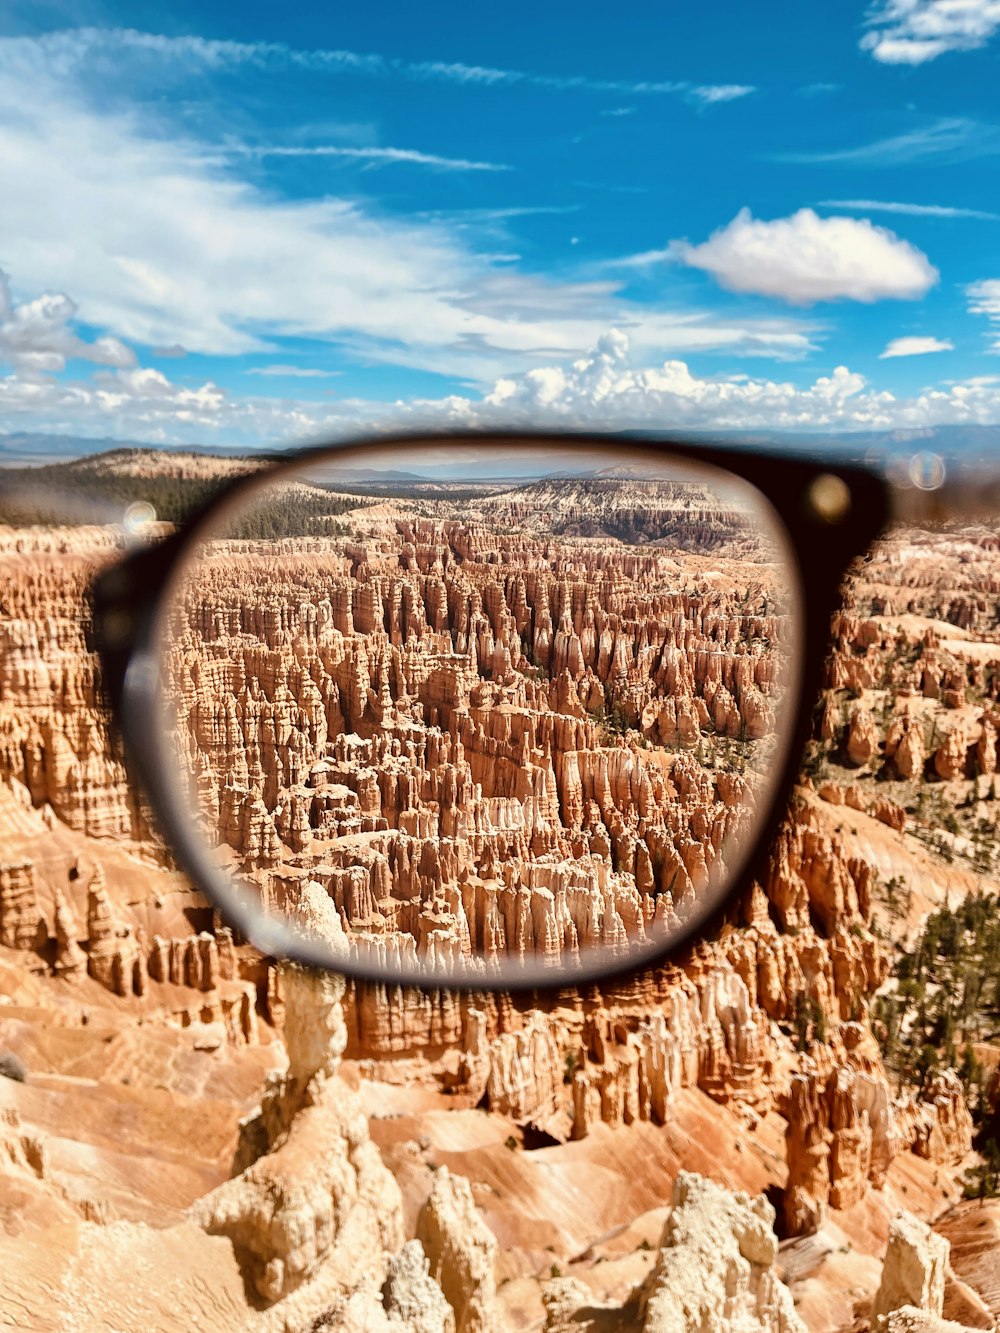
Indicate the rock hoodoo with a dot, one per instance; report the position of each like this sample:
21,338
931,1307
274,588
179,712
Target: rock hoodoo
715,1267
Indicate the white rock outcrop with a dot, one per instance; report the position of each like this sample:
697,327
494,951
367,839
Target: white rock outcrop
715,1269
462,1252
908,1319
411,1298
914,1269
314,1196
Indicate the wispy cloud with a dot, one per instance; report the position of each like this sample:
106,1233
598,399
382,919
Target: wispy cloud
618,111
202,257
643,260
721,92
984,299
374,156
818,89
911,32
915,346
612,187
947,139
911,210
488,215
69,47
293,372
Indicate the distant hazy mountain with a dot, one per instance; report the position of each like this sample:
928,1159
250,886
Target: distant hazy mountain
967,442
23,447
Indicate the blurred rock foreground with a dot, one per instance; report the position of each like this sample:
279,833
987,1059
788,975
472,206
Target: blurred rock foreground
774,1132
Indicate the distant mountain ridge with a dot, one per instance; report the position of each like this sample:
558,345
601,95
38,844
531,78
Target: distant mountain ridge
131,457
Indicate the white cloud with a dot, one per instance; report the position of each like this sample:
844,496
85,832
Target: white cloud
377,156
984,299
120,398
911,32
144,404
947,139
911,210
293,372
915,346
721,92
36,338
643,260
805,258
163,243
65,50
604,389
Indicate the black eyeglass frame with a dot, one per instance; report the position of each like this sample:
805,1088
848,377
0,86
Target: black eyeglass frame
825,541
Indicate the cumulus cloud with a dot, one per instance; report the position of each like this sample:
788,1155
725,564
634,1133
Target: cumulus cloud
604,389
916,347
144,404
984,299
37,344
911,32
36,338
605,386
805,258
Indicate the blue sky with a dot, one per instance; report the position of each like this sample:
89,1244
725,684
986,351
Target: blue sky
233,225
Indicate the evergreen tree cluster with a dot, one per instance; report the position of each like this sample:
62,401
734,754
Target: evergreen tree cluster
32,496
945,1003
45,496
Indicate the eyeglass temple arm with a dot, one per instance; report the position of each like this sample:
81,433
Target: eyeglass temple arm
964,493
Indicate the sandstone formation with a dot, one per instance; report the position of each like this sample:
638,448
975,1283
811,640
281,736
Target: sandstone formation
313,1190
568,1073
715,1268
21,923
70,959
910,1319
412,1298
914,1270
20,1150
465,734
461,1251
563,1298
54,742
845,1128
484,744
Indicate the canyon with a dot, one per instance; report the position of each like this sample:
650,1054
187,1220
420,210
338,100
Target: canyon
483,738
534,723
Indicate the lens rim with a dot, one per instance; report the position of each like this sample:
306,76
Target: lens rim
785,482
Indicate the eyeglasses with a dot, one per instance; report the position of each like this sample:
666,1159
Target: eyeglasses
488,711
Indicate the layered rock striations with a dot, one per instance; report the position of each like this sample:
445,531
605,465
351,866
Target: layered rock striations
54,739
